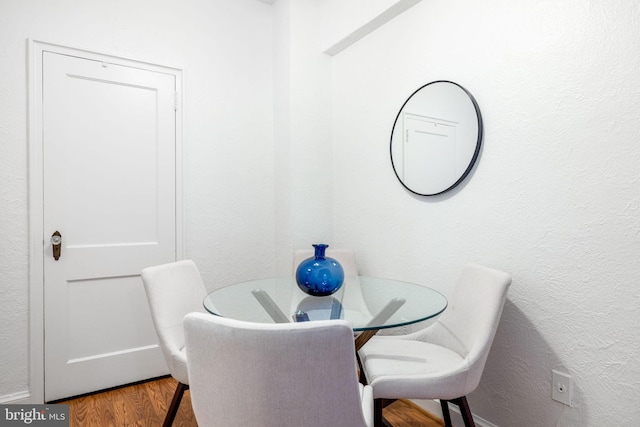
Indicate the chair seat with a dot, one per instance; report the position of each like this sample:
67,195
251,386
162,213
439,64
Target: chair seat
396,368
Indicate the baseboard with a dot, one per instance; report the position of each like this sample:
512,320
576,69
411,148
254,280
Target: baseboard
433,407
16,398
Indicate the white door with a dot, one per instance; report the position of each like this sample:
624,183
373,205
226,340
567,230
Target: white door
109,189
430,153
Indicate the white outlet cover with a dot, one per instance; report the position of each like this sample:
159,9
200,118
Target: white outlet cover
562,387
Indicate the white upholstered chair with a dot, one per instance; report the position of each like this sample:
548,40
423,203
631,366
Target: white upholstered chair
274,375
173,290
445,360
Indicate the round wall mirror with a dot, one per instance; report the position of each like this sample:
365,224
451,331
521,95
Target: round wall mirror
436,138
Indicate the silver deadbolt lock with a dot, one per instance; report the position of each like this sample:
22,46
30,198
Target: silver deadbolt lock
56,244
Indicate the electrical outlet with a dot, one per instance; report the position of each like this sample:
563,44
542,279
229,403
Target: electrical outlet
562,387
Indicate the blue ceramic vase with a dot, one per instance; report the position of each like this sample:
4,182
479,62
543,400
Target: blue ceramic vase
319,275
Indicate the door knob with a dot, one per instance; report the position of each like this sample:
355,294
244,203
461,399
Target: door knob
56,244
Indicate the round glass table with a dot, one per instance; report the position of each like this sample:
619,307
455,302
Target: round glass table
367,303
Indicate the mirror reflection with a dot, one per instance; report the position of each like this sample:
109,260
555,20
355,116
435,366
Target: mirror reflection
436,138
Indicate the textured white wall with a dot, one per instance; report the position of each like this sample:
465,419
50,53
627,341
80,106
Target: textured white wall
304,167
226,51
554,199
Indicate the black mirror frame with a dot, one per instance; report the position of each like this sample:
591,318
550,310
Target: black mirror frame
475,154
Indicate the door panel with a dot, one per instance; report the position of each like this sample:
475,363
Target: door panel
105,334
110,189
430,152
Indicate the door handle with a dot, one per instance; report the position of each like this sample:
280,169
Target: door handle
56,244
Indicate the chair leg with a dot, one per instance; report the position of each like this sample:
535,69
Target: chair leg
445,413
175,404
362,377
377,413
378,406
465,411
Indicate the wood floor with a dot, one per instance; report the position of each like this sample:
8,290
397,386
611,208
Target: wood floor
145,404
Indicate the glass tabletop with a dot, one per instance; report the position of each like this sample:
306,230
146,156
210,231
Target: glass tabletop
368,303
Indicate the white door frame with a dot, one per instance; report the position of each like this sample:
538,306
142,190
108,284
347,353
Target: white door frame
36,192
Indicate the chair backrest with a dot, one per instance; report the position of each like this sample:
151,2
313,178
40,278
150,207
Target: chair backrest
173,290
346,258
469,323
285,374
